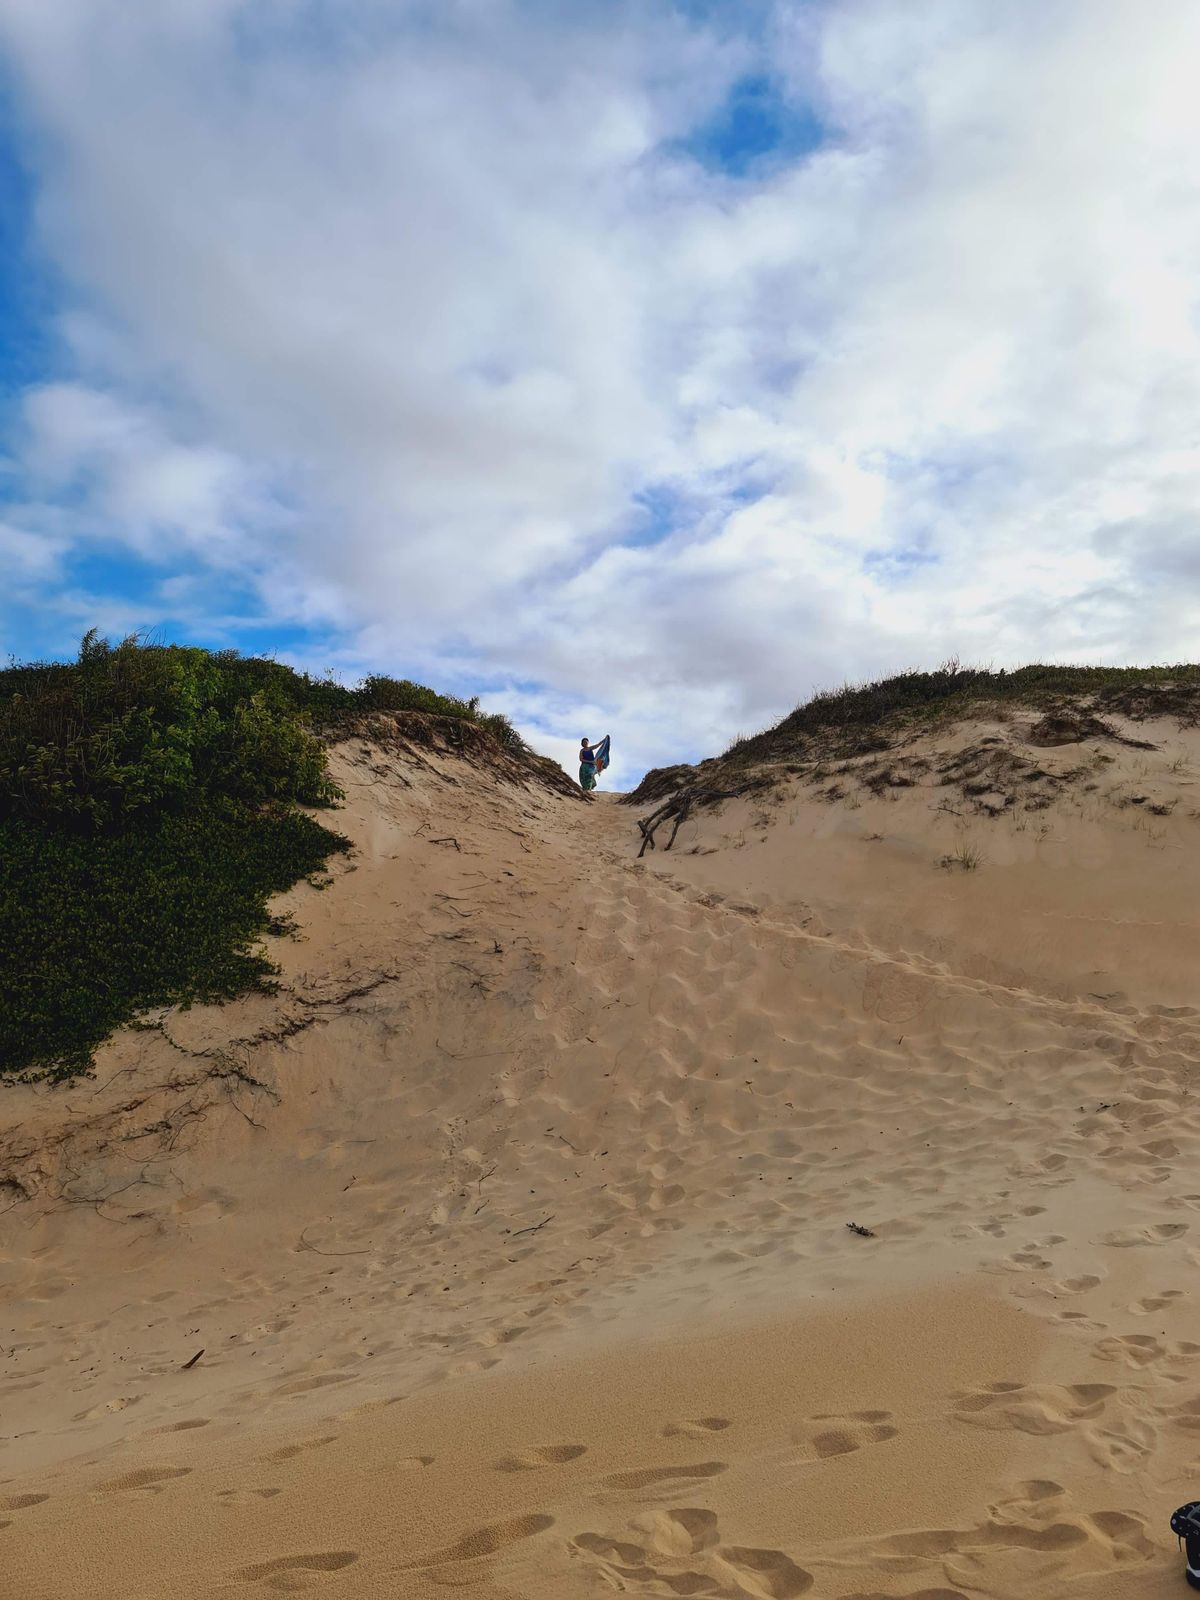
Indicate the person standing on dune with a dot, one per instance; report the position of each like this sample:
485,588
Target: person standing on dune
592,759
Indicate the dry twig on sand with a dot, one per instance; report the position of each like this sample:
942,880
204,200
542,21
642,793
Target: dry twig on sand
679,807
537,1228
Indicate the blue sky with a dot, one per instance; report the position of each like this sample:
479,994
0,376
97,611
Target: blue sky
757,125
27,290
643,368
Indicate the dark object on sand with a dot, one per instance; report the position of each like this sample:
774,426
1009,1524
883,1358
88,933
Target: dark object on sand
678,806
863,1233
1186,1523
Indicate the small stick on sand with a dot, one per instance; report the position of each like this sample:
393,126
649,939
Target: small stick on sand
863,1233
188,1364
537,1229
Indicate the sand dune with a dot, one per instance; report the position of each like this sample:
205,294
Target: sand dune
513,1230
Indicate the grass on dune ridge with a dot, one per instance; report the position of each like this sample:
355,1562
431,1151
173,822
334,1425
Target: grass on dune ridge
863,717
150,802
953,691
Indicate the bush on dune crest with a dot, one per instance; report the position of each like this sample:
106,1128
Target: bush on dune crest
149,802
133,729
864,717
953,690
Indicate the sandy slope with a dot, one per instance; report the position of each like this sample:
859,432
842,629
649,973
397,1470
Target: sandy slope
514,1229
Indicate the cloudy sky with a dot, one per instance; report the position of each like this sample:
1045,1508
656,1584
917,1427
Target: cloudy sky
640,365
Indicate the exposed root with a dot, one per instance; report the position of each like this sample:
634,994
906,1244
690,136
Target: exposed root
678,808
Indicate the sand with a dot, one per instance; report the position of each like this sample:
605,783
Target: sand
513,1230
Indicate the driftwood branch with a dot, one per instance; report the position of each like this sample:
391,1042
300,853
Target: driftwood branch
677,809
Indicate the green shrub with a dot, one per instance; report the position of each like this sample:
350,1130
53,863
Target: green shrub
136,729
98,928
148,808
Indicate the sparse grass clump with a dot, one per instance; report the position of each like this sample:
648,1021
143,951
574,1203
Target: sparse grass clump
963,858
149,805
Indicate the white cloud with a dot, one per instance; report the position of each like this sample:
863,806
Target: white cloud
440,279
134,485
25,555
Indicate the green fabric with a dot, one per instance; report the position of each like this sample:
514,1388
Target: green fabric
587,776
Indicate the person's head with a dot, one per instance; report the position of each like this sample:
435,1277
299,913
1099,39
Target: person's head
583,744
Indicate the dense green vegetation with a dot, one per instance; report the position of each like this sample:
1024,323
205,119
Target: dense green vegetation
149,802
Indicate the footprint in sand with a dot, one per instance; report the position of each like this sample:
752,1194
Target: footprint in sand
673,1538
21,1502
181,1427
242,1497
684,1532
1134,1349
288,1451
465,1369
830,1434
1128,1238
1037,1409
153,1479
369,1406
1124,1448
542,1455
1078,1322
1154,1302
1031,1534
695,1427
319,1561
1143,1350
307,1385
1031,1492
1124,1533
1028,1260
654,1477
107,1408
608,1550
768,1573
1185,1416
483,1542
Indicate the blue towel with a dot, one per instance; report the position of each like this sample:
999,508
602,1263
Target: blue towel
600,751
